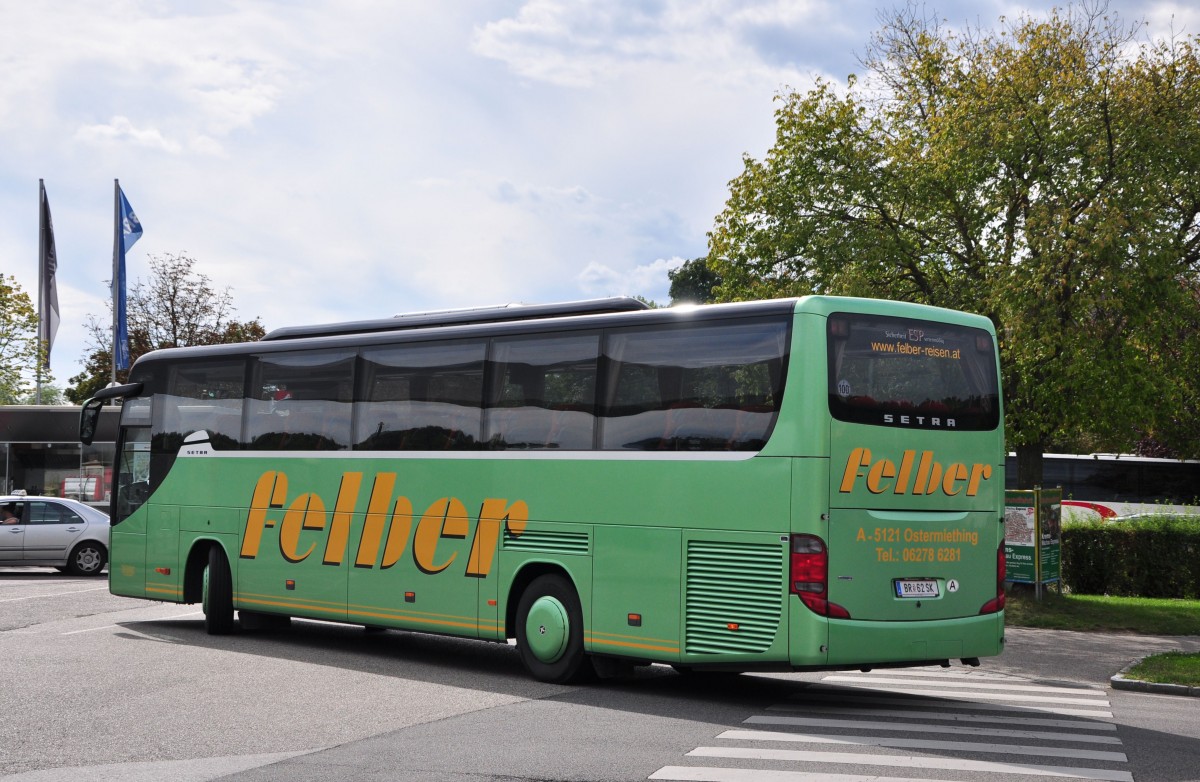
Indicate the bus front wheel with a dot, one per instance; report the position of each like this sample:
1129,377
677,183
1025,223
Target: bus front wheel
550,631
218,594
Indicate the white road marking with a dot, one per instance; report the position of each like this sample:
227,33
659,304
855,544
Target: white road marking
157,619
906,761
54,594
941,730
708,774
957,699
925,744
1010,687
1003,715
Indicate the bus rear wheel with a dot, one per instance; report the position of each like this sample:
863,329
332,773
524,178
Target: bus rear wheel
218,594
550,631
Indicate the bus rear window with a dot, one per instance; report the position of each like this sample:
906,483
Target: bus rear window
912,373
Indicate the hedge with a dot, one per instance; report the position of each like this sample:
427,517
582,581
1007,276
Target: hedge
1150,557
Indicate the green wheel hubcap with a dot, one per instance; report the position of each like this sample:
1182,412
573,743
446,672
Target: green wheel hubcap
547,629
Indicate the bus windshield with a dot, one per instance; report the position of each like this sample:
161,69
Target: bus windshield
912,373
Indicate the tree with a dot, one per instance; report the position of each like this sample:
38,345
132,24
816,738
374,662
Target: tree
51,395
1045,174
19,348
694,282
175,308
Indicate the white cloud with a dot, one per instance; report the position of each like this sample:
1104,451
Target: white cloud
578,44
339,160
120,129
212,71
649,280
1166,19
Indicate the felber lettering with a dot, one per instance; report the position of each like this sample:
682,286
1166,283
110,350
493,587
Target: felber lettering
922,475
388,526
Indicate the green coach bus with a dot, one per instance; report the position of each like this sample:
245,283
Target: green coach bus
798,484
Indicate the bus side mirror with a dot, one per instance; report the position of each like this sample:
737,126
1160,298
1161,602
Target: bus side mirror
89,417
89,420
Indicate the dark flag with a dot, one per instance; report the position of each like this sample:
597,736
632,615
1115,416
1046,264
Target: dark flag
48,313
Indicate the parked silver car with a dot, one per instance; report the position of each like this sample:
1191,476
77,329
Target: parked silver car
61,533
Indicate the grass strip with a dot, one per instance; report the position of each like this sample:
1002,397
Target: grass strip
1101,613
1168,668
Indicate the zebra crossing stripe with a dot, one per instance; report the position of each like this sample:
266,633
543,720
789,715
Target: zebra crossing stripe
978,709
995,696
707,774
941,730
908,761
925,744
942,700
1099,695
946,673
1004,715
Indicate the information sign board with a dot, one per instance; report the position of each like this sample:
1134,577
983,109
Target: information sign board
1032,526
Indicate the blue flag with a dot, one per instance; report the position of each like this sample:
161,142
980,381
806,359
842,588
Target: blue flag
131,226
131,230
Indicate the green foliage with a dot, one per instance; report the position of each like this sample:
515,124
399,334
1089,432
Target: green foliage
96,374
20,352
1152,557
1045,174
51,395
694,282
177,307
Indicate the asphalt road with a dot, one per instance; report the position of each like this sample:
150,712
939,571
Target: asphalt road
104,688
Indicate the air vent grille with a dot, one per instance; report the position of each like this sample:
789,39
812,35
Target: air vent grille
734,598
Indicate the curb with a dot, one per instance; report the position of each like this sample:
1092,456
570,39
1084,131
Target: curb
1121,682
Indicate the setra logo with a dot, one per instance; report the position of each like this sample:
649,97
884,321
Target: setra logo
929,477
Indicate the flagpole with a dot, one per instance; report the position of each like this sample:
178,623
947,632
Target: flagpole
116,272
41,286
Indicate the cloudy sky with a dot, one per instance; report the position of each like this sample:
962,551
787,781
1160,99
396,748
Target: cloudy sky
331,160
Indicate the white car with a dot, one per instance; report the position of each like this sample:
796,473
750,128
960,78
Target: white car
52,531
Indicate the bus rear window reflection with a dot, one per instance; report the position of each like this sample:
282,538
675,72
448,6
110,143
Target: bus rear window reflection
912,373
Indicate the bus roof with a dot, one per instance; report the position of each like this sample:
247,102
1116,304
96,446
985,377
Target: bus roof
455,317
439,330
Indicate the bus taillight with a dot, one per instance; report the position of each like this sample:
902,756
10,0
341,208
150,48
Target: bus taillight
810,576
996,604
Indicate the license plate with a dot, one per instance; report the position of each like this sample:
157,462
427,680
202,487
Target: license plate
916,587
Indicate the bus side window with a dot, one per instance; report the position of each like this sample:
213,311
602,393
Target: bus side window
705,387
544,392
201,396
301,401
421,397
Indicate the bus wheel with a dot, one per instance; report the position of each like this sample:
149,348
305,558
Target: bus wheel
218,594
550,631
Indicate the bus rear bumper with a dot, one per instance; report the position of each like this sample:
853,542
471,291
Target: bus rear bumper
863,643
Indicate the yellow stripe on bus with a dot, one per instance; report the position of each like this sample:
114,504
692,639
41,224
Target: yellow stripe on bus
593,641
